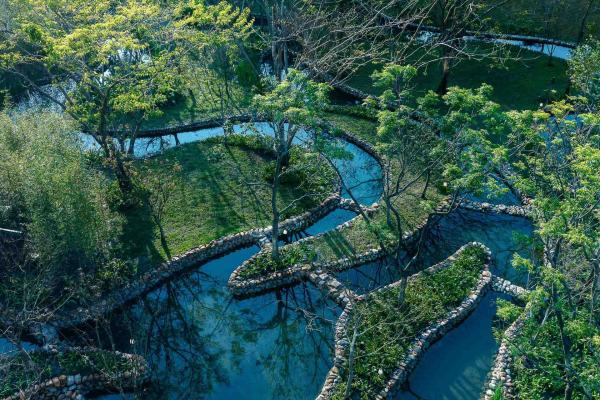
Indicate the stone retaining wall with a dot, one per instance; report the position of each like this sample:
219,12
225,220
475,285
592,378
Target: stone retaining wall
421,343
186,261
507,287
244,287
215,122
333,288
516,211
333,376
499,377
440,327
77,386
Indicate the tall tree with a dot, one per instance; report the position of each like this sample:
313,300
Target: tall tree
291,105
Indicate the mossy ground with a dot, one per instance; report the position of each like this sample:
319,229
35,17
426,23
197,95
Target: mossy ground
385,328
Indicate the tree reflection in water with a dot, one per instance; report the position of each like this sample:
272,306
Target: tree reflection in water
504,235
203,344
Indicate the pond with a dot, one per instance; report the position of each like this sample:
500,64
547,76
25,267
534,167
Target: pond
201,343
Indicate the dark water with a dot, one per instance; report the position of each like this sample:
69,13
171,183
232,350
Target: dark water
325,224
7,347
503,234
203,344
456,367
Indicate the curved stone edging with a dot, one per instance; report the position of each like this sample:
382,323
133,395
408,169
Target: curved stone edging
184,262
215,122
427,337
76,386
507,287
245,287
333,376
440,327
499,377
333,288
516,211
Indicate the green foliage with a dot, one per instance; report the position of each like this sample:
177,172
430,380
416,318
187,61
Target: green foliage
23,370
52,193
264,264
386,328
583,67
296,100
471,126
539,359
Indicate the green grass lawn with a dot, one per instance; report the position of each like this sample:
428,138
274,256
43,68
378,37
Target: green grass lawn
518,84
386,328
220,189
562,20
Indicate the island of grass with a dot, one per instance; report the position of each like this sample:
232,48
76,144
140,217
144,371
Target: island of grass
22,371
350,241
217,187
386,328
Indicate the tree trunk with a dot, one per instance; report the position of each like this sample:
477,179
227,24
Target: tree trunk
351,353
131,147
122,174
566,345
427,179
581,33
402,289
595,292
442,88
275,212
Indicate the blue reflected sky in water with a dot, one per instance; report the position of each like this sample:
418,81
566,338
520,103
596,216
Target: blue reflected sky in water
456,367
7,347
203,344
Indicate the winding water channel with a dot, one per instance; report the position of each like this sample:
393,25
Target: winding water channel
201,343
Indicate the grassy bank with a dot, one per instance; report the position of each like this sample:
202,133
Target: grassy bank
217,188
361,236
518,84
204,96
385,328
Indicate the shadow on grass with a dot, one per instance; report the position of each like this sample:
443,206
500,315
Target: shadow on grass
339,245
139,234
